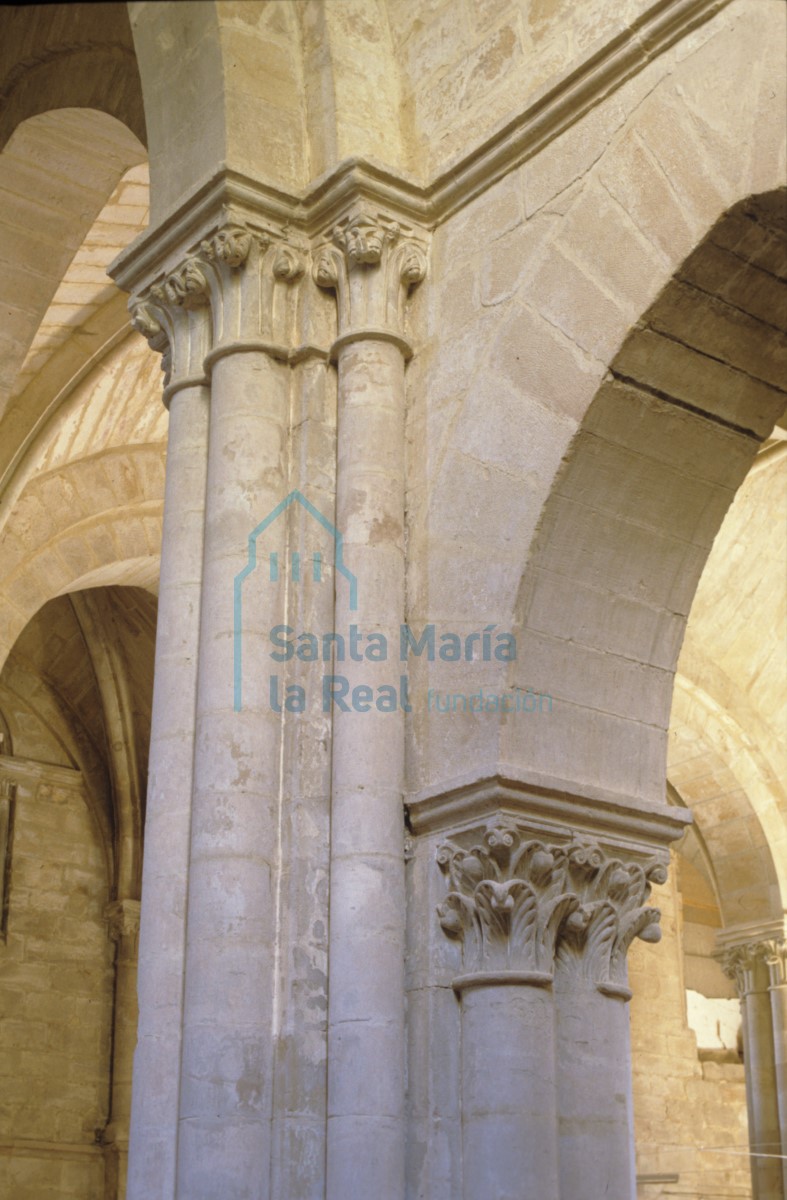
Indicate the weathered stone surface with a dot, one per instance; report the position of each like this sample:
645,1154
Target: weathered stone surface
471,317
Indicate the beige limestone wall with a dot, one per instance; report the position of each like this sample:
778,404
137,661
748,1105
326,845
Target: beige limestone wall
55,996
690,1115
469,65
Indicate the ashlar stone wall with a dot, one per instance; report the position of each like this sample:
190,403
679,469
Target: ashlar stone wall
689,1110
55,993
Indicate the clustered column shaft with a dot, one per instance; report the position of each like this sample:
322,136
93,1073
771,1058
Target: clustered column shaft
543,925
227,1062
205,1067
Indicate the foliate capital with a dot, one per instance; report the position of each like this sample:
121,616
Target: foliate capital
519,904
612,912
232,289
506,902
372,261
747,963
775,955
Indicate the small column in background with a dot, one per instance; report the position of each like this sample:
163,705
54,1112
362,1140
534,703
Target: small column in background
747,963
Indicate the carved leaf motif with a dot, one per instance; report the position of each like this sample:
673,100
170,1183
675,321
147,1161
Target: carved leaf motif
524,917
412,269
600,937
530,903
186,286
364,238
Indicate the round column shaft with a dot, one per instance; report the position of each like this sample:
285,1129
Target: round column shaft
761,1093
509,1137
594,1094
155,1093
371,267
366,1046
776,960
749,965
225,1123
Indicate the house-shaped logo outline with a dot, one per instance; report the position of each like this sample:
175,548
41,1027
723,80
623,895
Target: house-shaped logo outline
339,565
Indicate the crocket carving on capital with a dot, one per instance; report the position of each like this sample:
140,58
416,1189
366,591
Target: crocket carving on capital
507,900
612,912
517,903
372,262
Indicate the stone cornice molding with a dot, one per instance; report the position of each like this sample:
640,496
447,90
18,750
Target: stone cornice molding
550,806
561,104
751,932
550,113
522,907
371,261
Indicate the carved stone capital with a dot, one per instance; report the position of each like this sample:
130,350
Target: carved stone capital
231,291
372,262
751,964
122,918
775,955
174,317
521,905
250,272
506,901
612,912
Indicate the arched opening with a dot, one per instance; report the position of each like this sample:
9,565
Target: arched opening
75,693
56,173
695,389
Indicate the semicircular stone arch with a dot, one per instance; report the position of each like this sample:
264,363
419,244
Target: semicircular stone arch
85,536
642,251
82,57
622,542
723,784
